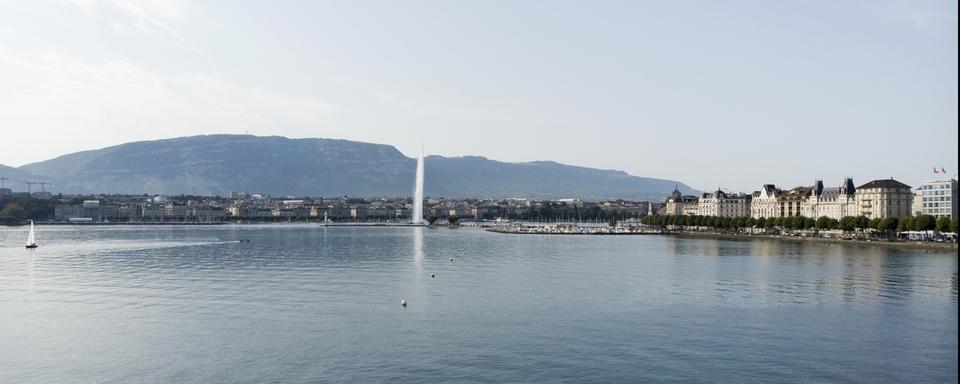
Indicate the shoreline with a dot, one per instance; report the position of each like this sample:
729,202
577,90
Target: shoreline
318,224
908,245
108,224
899,244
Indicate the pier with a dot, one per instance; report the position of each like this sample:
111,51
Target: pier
571,229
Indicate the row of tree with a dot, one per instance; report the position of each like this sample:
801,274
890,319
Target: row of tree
15,209
849,223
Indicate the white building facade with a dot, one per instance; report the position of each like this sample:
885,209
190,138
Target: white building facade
723,204
939,198
764,202
678,204
834,203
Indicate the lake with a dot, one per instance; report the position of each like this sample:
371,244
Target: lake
301,303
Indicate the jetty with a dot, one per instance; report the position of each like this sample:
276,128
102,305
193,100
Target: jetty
571,229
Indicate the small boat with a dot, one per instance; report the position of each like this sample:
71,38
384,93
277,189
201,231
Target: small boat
31,238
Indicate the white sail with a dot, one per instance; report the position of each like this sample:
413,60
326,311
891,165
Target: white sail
31,238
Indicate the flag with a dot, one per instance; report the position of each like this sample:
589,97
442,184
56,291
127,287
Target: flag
944,171
935,170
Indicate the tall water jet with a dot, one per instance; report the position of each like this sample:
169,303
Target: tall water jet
418,191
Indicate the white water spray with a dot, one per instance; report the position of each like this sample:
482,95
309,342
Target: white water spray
418,192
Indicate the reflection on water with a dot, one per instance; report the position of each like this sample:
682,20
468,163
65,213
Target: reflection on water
417,244
798,272
307,303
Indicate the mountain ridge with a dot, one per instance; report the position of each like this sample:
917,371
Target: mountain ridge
276,165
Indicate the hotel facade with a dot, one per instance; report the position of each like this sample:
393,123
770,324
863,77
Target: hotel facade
877,199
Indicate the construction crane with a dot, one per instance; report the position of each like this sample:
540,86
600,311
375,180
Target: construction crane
2,179
43,183
30,185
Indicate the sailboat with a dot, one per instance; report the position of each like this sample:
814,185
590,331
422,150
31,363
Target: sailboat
31,238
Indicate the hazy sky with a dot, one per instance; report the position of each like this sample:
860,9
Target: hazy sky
726,94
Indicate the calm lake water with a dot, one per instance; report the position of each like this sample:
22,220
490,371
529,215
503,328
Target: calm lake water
305,304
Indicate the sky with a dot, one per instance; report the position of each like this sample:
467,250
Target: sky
730,94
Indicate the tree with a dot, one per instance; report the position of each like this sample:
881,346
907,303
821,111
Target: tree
809,222
823,222
924,223
848,223
12,213
793,222
888,224
771,222
863,222
905,224
431,218
453,219
873,224
784,222
762,222
943,225
953,226
741,222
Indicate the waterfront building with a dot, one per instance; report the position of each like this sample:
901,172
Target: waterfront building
679,204
790,203
764,202
403,213
723,204
174,212
884,198
151,213
939,198
358,213
291,213
834,203
917,208
481,213
65,212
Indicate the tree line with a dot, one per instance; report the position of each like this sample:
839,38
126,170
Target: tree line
16,209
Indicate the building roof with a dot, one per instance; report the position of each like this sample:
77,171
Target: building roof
884,183
797,193
830,193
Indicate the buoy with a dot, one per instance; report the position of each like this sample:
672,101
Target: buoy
451,259
403,303
432,275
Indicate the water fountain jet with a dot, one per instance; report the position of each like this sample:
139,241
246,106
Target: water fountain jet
418,192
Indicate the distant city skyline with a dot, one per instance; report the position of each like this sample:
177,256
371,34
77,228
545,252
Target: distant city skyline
710,94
